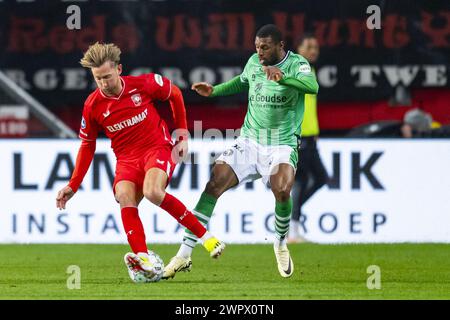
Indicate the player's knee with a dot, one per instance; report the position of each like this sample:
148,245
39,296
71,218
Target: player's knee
125,199
282,192
155,195
215,186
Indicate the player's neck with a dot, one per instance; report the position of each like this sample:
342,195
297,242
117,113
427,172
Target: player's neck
280,57
117,91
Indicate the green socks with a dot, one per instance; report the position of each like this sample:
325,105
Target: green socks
283,211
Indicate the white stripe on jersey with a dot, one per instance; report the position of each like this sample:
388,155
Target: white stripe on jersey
168,169
165,136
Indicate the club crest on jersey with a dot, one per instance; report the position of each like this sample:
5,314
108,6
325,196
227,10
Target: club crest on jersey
137,100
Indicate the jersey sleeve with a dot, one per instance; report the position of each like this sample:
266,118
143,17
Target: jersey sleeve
84,159
301,77
301,68
157,86
89,127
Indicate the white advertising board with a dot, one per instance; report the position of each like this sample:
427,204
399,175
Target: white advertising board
380,191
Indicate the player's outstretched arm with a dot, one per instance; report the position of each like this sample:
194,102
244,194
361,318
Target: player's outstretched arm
84,159
228,88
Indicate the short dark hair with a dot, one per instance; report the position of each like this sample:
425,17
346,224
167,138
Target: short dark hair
306,35
270,30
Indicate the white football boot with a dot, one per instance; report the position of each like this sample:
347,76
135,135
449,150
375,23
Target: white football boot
284,261
177,264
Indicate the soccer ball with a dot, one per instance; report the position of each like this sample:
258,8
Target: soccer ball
158,268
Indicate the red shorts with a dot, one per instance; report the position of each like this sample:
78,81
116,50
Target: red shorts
134,170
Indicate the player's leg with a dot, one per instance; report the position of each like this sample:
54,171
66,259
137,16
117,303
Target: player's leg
281,184
126,195
158,166
234,166
154,190
155,183
231,168
222,179
129,198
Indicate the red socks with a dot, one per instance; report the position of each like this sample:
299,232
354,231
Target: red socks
178,210
134,229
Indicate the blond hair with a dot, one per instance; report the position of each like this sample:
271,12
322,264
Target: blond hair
98,53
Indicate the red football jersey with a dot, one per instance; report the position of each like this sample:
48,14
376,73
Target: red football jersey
130,120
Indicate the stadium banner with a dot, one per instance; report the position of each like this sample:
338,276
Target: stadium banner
379,191
192,41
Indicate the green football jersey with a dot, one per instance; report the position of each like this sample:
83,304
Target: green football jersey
275,110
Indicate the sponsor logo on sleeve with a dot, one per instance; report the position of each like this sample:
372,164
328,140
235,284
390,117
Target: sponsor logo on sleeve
83,123
304,68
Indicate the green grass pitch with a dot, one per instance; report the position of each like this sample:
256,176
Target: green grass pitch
408,271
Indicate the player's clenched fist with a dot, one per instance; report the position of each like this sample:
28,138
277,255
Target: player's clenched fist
63,196
202,88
